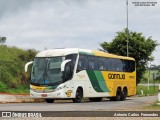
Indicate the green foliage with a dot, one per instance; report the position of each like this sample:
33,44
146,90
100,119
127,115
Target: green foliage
158,77
3,87
139,47
2,40
146,76
158,73
12,62
151,91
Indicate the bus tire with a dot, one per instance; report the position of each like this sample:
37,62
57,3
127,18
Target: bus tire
124,93
98,99
118,95
49,100
79,96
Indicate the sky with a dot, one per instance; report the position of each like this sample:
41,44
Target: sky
40,24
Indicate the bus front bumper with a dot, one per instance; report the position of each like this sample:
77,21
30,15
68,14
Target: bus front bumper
55,95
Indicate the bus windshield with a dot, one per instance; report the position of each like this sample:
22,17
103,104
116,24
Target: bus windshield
46,71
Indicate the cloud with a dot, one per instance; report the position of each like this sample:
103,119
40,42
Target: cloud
8,7
72,23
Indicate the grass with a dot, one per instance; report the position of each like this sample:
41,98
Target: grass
153,106
19,90
151,91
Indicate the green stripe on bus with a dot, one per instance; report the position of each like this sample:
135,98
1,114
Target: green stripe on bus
101,81
86,53
94,81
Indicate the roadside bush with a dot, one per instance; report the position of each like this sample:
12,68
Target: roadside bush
3,87
5,77
12,62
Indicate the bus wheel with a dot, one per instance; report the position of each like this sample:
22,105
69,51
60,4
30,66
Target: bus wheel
98,99
49,100
124,93
79,96
118,95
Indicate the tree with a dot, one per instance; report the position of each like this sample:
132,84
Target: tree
140,48
2,40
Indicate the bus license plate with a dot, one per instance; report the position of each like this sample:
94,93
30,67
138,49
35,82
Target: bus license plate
44,95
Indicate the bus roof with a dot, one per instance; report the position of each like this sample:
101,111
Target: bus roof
57,52
66,51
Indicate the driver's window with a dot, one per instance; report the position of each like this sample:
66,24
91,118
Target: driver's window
67,69
68,72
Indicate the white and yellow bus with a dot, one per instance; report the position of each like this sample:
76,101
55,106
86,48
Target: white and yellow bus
73,73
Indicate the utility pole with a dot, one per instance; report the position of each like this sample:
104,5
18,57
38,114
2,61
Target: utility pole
149,67
127,27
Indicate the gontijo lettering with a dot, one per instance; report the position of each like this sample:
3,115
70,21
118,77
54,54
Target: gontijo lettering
116,76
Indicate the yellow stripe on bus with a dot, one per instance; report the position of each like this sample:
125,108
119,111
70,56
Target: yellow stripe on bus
37,87
103,54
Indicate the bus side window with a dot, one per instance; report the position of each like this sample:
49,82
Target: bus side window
114,64
131,66
120,65
101,67
82,63
125,65
79,67
108,64
92,63
128,65
79,64
111,68
101,63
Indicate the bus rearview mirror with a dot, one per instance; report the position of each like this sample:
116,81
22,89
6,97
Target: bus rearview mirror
63,64
26,65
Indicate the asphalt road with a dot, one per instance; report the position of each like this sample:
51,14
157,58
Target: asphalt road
131,103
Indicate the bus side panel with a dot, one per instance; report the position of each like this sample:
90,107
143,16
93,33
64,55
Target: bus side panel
120,79
103,83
